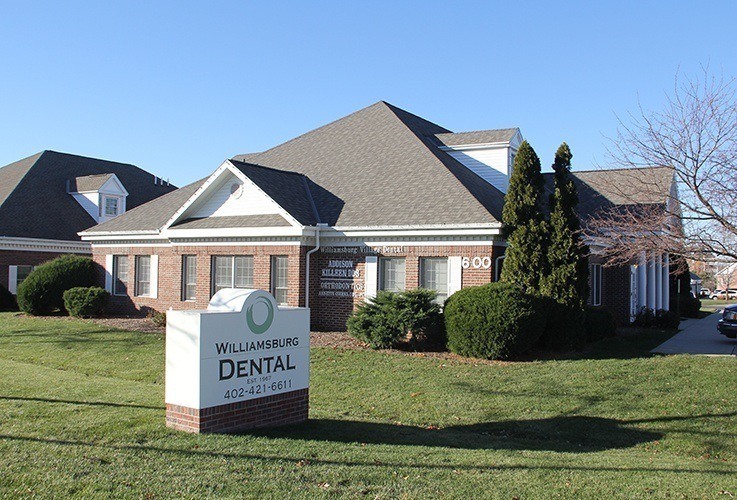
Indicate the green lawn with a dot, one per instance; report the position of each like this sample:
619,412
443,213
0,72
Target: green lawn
81,414
710,305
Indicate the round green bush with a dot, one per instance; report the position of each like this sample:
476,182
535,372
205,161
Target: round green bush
494,321
85,302
42,291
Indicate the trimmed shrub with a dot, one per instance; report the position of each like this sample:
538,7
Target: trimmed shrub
157,318
565,329
7,300
376,321
599,324
648,318
494,321
420,316
42,291
85,302
384,321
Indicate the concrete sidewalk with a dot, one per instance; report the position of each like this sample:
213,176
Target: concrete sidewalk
699,336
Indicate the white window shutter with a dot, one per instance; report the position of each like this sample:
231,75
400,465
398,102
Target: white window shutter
13,279
455,271
371,277
109,273
154,277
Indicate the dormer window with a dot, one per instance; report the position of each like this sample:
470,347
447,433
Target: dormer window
101,195
111,206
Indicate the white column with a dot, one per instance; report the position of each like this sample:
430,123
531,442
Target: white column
666,282
658,282
651,281
641,280
370,283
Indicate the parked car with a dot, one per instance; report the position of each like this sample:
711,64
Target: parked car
728,323
705,292
722,294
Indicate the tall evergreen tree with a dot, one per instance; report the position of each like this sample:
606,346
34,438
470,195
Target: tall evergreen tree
567,281
525,229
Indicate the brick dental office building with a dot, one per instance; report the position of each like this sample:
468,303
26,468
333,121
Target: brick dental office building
378,200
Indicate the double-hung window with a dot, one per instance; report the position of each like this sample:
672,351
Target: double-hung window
111,206
22,274
596,284
434,276
280,278
392,274
120,275
230,271
189,277
143,275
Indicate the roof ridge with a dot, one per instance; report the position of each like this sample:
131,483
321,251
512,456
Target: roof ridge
620,169
434,152
294,139
480,130
268,168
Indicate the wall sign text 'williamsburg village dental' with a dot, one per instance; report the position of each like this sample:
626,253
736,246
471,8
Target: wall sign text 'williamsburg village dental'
243,347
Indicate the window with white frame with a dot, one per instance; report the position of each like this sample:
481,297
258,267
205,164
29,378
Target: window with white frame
434,276
280,278
22,274
229,271
111,206
120,274
392,274
189,277
596,284
143,275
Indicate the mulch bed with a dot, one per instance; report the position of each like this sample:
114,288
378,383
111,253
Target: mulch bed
332,340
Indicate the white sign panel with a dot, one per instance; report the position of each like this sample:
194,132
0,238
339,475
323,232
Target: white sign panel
243,347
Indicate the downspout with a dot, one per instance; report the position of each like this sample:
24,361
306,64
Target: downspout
319,226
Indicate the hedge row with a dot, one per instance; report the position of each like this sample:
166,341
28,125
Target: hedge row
42,292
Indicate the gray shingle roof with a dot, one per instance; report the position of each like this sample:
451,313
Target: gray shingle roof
289,189
88,183
231,221
152,215
477,137
380,167
602,189
34,202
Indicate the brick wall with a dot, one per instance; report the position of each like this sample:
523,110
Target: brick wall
615,290
170,274
17,258
270,411
330,311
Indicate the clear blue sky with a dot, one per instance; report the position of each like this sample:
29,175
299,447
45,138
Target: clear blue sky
177,87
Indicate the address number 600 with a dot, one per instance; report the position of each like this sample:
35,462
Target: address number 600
476,262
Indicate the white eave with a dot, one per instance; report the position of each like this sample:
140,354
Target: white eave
43,245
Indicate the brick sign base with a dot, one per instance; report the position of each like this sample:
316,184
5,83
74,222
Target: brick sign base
269,411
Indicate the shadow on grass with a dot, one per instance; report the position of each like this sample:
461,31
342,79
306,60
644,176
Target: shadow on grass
83,403
419,463
571,434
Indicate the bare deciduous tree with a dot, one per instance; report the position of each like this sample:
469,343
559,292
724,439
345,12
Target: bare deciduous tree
694,140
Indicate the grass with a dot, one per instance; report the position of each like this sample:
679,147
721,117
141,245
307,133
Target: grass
710,306
81,414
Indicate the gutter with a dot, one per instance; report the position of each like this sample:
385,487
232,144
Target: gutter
318,227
